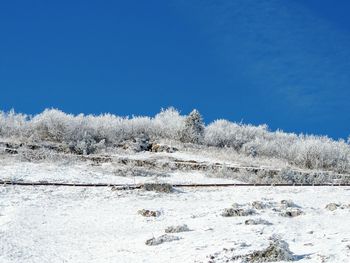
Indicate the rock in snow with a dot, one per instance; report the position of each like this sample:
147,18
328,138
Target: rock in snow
229,212
148,213
177,229
159,240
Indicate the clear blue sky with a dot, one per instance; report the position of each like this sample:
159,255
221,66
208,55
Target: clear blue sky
284,63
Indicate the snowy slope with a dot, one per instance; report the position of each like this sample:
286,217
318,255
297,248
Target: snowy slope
76,224
61,224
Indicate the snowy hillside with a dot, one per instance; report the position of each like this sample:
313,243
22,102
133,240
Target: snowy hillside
153,217
61,224
221,149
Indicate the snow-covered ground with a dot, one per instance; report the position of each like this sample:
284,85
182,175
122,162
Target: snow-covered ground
81,172
76,224
72,224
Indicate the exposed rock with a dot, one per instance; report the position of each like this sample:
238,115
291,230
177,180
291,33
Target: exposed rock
148,213
287,203
177,229
159,240
309,244
294,212
11,151
257,222
258,205
158,187
138,144
277,251
236,205
332,206
130,171
230,212
163,148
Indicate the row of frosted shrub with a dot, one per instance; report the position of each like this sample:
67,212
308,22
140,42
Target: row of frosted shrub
306,151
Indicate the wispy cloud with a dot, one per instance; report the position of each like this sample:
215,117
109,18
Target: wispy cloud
284,50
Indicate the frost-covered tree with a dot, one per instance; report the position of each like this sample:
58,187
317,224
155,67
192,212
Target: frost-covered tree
193,130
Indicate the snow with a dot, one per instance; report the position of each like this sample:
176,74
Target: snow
82,172
70,224
77,224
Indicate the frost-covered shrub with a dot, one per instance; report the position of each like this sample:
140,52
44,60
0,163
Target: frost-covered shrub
319,153
37,155
168,124
222,133
270,144
85,134
51,125
307,151
13,124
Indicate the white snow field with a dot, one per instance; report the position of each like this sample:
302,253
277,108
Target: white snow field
41,224
75,224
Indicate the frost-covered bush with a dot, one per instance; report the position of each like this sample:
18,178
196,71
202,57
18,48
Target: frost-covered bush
51,125
168,124
307,151
86,134
12,124
319,153
222,133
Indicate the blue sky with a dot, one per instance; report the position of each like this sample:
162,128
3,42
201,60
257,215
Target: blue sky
284,63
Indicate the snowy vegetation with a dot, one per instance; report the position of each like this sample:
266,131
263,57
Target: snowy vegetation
86,134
